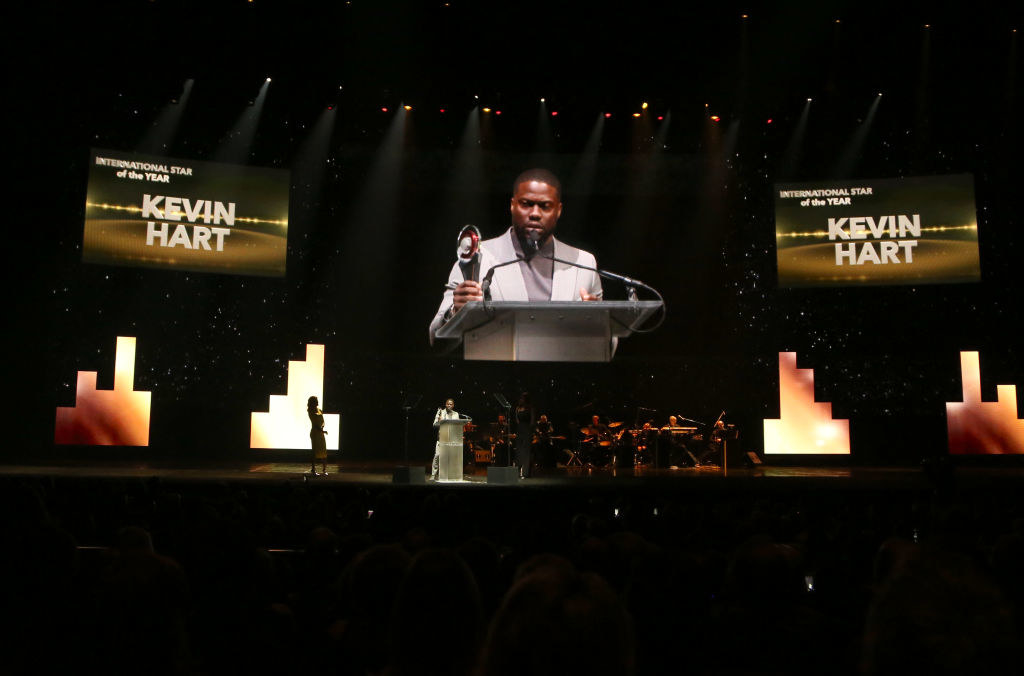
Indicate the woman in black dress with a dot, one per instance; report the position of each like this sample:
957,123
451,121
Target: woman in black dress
317,435
526,420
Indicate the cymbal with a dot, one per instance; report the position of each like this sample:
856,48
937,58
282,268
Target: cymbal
560,437
615,424
588,430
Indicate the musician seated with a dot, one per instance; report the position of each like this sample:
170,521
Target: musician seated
597,429
673,425
543,435
544,428
676,435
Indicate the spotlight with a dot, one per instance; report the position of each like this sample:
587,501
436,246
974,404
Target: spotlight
542,99
808,100
636,114
497,112
769,120
554,113
383,109
442,110
268,79
643,105
745,16
879,93
607,115
660,118
715,118
487,110
330,107
407,107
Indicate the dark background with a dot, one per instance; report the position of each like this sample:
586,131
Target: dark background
686,207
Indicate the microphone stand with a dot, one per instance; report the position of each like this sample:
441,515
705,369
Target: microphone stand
403,474
485,286
630,284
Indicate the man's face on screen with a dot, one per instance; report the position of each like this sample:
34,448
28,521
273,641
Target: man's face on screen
536,208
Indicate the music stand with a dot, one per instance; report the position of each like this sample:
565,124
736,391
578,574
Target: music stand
404,474
503,402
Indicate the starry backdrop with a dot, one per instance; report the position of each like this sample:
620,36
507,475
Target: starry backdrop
672,197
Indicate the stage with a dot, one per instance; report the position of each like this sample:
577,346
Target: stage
763,478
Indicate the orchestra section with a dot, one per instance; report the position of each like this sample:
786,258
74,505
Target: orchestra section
598,442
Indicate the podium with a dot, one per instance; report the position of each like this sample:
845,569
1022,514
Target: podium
449,439
545,330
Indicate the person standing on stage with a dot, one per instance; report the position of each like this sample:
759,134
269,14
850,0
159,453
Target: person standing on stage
544,430
446,413
499,441
317,435
526,420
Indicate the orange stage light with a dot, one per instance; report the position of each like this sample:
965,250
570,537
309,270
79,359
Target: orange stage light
118,417
804,426
983,427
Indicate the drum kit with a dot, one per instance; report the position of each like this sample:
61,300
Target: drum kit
490,443
487,443
613,445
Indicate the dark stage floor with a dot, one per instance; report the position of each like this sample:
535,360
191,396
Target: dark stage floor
765,477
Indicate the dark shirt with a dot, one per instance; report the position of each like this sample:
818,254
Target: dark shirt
538,271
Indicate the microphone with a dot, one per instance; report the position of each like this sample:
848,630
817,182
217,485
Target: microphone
533,243
532,246
485,286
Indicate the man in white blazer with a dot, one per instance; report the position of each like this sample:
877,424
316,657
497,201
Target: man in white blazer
535,207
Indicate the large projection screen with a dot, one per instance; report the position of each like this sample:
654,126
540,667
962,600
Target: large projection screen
160,212
920,230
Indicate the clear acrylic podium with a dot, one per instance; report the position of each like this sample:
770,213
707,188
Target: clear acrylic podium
545,331
449,462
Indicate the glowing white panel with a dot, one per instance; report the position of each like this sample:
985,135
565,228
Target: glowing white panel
983,427
286,423
804,426
117,417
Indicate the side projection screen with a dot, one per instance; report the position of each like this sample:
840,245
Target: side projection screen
159,212
920,230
